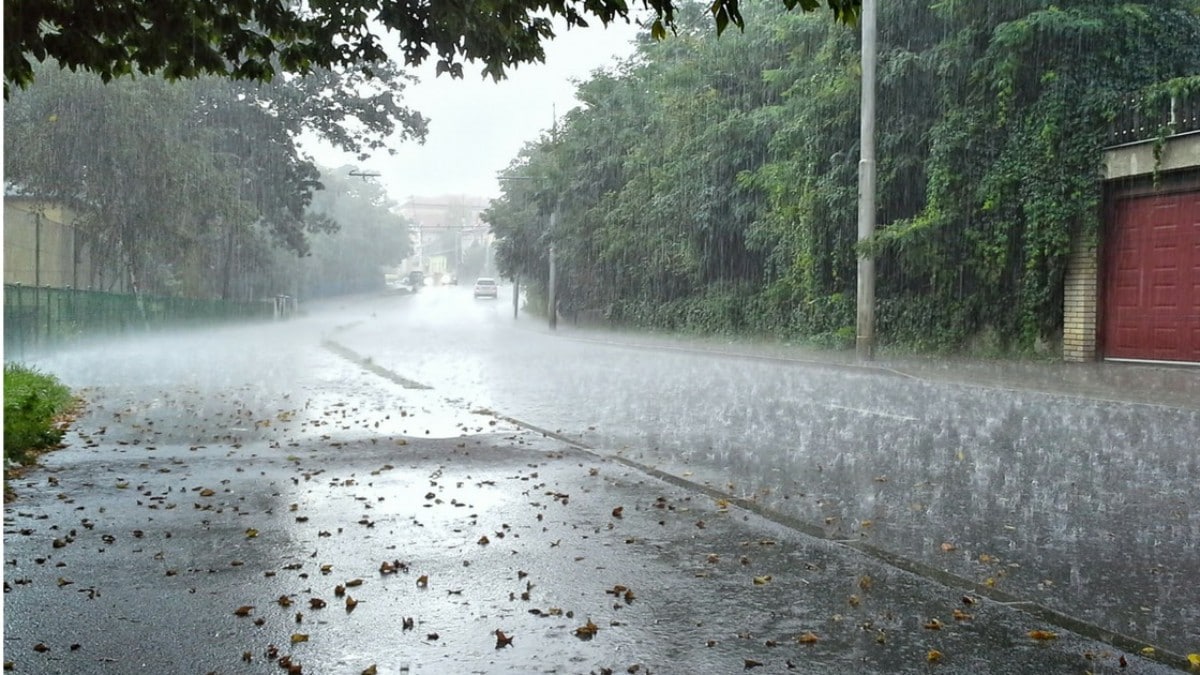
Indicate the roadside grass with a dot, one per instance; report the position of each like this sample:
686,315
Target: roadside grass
35,406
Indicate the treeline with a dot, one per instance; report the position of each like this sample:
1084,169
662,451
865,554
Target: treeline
200,188
711,184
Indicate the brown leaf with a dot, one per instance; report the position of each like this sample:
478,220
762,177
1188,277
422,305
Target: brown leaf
244,610
751,663
354,582
934,624
502,640
423,581
351,603
960,615
206,492
370,670
587,631
1043,635
934,656
407,623
618,512
807,638
339,591
284,601
947,547
484,541
316,603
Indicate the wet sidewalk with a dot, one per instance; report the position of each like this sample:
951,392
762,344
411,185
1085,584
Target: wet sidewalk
328,520
1176,386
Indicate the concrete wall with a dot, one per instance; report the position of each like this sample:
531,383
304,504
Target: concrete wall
1137,159
39,245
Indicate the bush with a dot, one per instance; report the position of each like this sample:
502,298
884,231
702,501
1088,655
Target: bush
32,403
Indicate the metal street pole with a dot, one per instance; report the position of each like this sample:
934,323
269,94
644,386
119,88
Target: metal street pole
551,303
516,292
865,341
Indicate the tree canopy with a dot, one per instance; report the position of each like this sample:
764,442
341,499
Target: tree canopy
256,39
712,184
195,188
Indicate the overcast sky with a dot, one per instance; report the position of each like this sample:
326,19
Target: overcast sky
478,126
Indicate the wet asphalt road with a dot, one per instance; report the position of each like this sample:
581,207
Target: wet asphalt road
236,468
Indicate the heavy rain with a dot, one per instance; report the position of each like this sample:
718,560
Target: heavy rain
300,377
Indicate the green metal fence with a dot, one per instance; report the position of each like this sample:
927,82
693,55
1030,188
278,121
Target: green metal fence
39,318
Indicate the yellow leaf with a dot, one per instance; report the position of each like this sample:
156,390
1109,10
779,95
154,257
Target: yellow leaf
297,638
207,492
763,580
370,670
251,533
807,638
933,656
587,630
1194,659
1147,651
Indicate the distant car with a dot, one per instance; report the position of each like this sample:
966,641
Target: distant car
486,288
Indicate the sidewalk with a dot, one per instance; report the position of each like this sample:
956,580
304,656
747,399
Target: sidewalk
337,522
1150,384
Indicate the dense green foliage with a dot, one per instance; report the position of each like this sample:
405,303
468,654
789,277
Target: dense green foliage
190,189
32,403
712,183
371,236
255,39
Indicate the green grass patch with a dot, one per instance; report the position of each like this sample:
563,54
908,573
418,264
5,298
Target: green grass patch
34,403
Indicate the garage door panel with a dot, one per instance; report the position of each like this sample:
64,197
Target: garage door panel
1152,279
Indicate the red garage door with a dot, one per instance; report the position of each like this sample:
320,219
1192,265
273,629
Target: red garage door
1152,289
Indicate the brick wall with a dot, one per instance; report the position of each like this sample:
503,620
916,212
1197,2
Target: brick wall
1079,302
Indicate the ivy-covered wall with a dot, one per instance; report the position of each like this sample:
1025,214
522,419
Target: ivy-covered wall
711,184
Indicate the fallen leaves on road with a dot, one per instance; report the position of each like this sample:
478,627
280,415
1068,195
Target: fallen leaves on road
807,638
297,638
502,640
1043,635
587,631
244,610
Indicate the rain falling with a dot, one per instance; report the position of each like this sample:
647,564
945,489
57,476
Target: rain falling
307,369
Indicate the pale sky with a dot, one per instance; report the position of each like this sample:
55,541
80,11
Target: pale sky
478,126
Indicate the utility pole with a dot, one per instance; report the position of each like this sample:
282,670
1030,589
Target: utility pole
550,300
516,292
865,341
